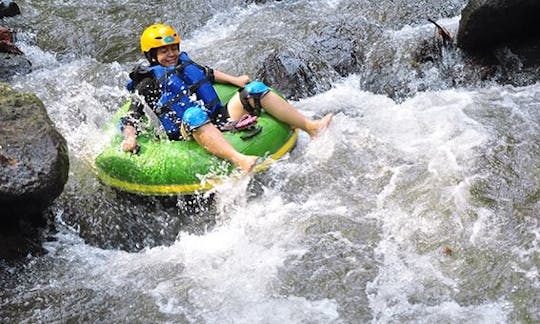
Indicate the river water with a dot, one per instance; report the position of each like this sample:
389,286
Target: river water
421,208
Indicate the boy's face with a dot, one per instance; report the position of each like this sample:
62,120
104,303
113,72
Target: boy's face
168,55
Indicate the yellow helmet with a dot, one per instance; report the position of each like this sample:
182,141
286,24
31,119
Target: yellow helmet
158,35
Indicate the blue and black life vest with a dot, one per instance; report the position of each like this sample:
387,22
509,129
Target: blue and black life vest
177,85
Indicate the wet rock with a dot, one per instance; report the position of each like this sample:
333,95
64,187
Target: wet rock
33,154
11,65
333,52
23,237
502,36
117,220
33,165
427,51
436,63
487,24
339,46
294,77
9,8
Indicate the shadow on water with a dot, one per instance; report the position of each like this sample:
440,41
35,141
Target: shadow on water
22,236
127,222
111,219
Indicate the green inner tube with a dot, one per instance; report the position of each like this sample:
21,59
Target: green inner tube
164,167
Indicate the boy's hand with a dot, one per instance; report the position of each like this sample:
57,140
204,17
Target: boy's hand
243,80
129,144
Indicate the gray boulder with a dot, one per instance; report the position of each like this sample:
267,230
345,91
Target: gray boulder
333,49
34,167
33,155
292,76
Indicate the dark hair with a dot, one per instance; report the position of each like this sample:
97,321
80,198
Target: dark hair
151,56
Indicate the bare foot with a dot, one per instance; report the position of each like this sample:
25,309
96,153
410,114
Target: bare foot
319,125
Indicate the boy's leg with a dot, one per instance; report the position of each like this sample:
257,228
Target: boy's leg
212,140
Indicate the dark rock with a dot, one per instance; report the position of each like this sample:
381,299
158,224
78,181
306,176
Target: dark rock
292,76
328,51
339,46
9,8
333,52
34,161
487,24
528,51
33,170
22,237
501,36
33,154
113,219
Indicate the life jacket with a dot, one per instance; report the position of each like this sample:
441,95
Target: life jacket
177,85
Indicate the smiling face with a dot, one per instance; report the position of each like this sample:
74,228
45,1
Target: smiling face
168,55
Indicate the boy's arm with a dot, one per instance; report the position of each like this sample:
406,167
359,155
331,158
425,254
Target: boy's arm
239,81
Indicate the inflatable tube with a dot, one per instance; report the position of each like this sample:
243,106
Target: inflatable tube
164,167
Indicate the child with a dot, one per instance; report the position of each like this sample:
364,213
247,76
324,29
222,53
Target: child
168,86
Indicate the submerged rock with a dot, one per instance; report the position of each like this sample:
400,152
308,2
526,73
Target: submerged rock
34,165
13,64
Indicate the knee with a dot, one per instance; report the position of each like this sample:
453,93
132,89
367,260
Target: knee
194,117
251,96
257,88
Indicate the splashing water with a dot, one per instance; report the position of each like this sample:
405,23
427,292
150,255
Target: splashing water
424,210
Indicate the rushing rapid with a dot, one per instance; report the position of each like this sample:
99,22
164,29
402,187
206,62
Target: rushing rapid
421,209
